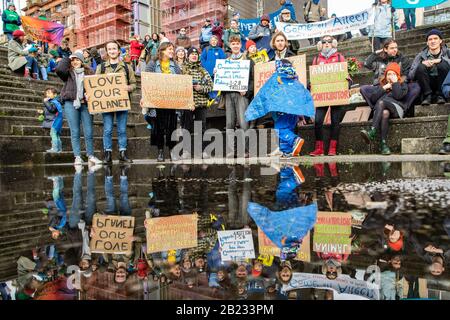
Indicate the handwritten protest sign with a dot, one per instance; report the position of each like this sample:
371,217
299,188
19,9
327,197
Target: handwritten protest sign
107,93
263,71
267,247
329,84
260,57
172,233
232,75
167,91
236,245
112,234
332,232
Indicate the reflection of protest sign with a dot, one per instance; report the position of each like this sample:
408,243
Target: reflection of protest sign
267,247
232,75
107,93
167,91
236,245
171,233
112,234
332,233
263,71
43,30
329,84
341,285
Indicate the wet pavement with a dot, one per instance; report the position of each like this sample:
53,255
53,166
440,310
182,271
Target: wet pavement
372,230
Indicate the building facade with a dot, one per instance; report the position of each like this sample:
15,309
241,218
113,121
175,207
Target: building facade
146,17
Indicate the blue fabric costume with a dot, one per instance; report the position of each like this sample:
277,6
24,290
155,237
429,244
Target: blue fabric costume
287,99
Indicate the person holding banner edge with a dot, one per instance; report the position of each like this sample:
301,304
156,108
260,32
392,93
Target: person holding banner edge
114,65
328,53
385,19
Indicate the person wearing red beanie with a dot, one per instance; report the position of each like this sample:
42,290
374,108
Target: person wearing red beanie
19,59
390,97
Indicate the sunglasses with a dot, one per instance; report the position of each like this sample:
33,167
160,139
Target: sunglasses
327,41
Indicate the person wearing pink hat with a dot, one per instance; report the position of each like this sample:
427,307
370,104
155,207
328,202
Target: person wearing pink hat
19,59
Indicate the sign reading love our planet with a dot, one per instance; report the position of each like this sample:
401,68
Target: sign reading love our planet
167,91
404,4
112,234
171,233
329,84
236,245
232,75
332,233
263,71
107,93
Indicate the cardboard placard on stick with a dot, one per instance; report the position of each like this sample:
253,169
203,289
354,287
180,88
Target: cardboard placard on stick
167,91
172,233
112,234
263,71
107,93
329,84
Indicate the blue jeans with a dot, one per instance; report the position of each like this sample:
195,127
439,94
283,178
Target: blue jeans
285,124
410,18
78,205
124,203
76,117
9,36
56,140
32,65
108,127
44,73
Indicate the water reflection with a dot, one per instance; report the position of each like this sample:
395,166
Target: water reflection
317,232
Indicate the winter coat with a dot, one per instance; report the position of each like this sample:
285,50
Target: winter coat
53,115
259,31
66,74
16,55
312,11
334,58
155,67
218,32
120,69
205,34
152,48
11,21
184,42
383,24
422,56
51,65
228,34
446,87
378,64
209,57
135,49
396,95
199,76
64,53
288,54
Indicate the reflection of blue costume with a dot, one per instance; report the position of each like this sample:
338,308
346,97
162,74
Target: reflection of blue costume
286,194
286,98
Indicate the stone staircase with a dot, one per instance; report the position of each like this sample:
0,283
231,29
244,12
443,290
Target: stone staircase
23,141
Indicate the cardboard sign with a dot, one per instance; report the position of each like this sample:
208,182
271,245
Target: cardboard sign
113,234
167,91
172,233
329,84
107,93
260,57
267,247
332,233
236,245
232,75
263,71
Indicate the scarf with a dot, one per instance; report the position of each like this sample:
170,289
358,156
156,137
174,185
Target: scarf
79,77
285,70
236,56
327,53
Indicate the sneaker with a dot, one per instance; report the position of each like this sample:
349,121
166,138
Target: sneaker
427,100
298,147
95,161
94,167
78,169
385,149
78,161
440,100
52,151
298,174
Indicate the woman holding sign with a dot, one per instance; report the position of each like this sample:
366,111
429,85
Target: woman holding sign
166,119
114,65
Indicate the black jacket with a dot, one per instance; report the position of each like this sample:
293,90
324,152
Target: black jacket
377,63
396,95
69,90
288,54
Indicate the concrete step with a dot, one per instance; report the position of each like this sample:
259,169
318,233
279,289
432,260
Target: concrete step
425,145
432,110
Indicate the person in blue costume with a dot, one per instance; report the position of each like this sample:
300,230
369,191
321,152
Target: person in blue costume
288,227
286,99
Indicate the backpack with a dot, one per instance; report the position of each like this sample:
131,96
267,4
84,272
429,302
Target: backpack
127,71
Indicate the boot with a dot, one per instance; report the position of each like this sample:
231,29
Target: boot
123,157
108,157
369,136
333,169
333,146
440,100
319,150
320,170
160,156
427,100
384,148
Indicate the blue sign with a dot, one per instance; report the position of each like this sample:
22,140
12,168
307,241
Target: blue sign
403,4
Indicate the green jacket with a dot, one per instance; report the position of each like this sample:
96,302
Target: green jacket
201,77
120,69
11,21
16,55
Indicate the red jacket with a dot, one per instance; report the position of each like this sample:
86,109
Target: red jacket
135,49
334,58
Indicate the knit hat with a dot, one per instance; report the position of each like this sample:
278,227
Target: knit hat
249,44
18,33
395,67
435,32
191,51
179,49
77,55
265,17
54,53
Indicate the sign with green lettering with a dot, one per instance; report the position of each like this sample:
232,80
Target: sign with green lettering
112,234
